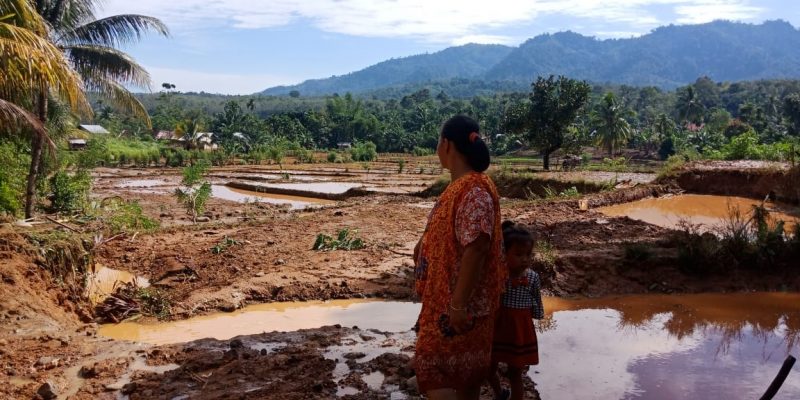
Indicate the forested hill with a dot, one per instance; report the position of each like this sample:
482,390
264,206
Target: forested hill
668,57
468,61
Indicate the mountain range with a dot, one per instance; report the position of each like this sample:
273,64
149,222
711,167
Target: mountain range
667,57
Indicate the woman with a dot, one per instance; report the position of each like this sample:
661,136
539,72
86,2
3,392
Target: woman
459,272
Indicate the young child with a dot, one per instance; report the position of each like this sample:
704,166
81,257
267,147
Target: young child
515,341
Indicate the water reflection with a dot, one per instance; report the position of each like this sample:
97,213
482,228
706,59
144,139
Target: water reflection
706,346
709,346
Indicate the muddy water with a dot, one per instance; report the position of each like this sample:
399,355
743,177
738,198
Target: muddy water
709,211
318,187
104,280
241,196
657,347
385,316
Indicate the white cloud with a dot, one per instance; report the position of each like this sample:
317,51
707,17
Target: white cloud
714,10
443,21
195,81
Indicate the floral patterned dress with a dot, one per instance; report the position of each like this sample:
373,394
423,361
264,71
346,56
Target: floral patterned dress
468,207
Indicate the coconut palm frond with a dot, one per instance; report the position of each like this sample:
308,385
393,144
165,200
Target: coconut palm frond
117,30
14,115
20,13
109,62
118,95
29,60
65,14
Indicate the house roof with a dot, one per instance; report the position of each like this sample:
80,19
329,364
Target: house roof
94,129
77,141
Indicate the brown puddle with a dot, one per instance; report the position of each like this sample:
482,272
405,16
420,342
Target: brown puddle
242,196
709,211
366,314
104,280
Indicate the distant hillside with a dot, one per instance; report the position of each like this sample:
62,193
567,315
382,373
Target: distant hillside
468,61
667,57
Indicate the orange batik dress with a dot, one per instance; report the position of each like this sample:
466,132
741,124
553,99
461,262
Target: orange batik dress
468,207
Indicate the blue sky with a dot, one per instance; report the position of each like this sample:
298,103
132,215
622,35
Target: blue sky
245,46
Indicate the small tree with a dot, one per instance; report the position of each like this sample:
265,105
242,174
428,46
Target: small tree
552,108
196,191
276,155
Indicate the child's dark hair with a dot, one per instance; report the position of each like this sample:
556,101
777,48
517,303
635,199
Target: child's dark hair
464,133
514,233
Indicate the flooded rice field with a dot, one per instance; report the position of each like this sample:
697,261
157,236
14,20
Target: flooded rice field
712,212
647,346
247,196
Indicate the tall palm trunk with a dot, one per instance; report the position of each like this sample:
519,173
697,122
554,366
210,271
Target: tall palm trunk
37,146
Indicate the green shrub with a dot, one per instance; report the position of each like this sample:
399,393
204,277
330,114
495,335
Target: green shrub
332,157
127,216
343,241
15,162
196,192
69,193
364,151
400,166
304,155
422,151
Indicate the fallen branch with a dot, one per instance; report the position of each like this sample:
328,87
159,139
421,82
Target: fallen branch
63,225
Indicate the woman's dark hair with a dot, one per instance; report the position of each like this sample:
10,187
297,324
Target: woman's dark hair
514,233
464,132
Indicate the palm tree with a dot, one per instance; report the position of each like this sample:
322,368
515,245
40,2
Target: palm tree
33,69
663,127
610,123
690,109
91,47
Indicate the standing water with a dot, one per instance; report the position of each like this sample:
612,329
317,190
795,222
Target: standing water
705,210
708,346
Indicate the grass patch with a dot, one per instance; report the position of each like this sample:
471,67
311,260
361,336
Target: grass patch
224,245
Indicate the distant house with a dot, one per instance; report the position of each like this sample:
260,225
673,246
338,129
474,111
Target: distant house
167,135
94,129
77,144
344,145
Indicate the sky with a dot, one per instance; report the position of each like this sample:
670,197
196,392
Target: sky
246,46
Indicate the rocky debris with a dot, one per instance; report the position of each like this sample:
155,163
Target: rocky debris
354,355
47,362
47,391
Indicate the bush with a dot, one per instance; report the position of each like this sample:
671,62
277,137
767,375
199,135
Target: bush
364,151
422,151
69,193
127,216
15,162
332,157
343,241
304,155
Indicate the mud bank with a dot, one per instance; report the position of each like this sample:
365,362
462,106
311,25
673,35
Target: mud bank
346,194
754,180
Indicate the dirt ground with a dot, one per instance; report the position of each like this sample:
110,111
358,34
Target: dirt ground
47,334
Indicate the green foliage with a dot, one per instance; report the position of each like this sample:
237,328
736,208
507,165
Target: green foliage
552,107
751,241
127,216
401,164
343,241
610,122
422,151
742,147
195,193
545,253
14,162
332,157
154,302
364,151
69,192
224,245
